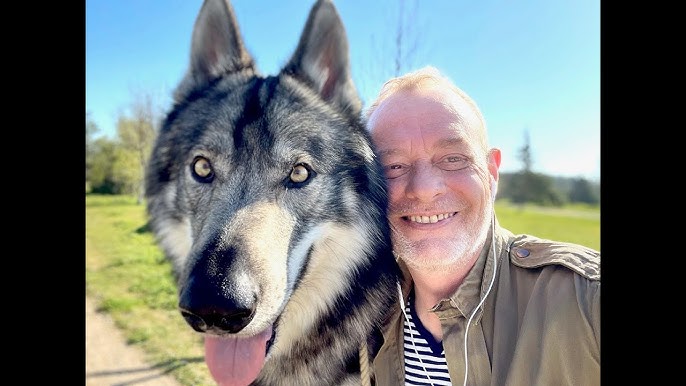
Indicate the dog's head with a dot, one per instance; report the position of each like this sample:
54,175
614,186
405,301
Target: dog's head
264,191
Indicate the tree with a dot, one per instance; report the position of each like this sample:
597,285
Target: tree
137,133
529,186
101,168
91,129
406,40
582,191
398,49
525,153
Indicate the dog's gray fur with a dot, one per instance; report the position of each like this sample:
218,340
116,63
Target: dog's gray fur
267,198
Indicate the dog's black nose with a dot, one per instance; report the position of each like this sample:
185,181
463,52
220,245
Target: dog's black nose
219,319
217,304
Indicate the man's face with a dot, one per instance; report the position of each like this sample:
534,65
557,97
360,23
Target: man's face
436,168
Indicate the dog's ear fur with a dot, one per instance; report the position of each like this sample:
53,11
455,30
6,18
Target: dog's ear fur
217,47
321,58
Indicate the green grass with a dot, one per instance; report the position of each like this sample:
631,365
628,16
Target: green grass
129,278
576,224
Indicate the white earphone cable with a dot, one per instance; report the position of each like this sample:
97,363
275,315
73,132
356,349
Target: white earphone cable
407,319
495,266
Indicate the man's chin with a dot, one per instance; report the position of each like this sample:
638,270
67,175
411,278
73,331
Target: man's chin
431,266
435,256
440,253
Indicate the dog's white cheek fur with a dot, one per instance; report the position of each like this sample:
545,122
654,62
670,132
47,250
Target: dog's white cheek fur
175,236
341,251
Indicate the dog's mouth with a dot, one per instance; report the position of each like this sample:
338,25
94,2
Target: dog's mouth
236,361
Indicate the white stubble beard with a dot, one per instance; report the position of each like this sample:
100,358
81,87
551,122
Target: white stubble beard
443,256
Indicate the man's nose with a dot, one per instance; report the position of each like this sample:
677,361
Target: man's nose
426,182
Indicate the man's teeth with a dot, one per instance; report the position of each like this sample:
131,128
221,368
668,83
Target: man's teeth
430,219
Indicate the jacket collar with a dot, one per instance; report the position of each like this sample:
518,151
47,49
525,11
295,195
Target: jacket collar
478,281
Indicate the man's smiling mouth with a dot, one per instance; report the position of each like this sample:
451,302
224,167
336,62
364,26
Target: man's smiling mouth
430,219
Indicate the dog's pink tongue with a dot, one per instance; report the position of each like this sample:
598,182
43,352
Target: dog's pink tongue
236,361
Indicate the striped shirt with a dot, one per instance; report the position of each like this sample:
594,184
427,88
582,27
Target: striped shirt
425,358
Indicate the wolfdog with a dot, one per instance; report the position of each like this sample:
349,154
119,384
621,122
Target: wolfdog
266,195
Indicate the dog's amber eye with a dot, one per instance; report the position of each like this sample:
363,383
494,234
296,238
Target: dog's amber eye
202,168
299,174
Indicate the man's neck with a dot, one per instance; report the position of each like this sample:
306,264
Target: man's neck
432,287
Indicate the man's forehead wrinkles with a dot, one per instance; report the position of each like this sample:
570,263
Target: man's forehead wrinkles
387,152
444,143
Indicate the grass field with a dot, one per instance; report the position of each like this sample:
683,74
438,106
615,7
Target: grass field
575,224
129,278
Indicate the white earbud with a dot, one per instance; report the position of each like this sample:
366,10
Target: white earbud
494,189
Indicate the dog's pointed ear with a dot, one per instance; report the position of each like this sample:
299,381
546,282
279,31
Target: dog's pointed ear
217,47
321,58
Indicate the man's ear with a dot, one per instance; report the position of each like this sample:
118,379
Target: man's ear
494,158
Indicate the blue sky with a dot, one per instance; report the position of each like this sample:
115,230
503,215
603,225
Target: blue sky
533,66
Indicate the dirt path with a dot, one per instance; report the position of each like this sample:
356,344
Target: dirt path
110,361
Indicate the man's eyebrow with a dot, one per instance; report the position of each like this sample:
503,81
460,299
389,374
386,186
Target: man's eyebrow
449,142
388,152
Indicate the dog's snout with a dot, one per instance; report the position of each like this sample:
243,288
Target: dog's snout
216,302
228,319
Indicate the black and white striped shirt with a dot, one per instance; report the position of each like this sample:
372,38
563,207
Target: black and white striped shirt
425,359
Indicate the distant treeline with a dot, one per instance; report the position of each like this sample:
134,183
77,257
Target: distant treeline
541,189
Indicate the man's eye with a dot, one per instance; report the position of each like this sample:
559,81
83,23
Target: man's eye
453,162
395,170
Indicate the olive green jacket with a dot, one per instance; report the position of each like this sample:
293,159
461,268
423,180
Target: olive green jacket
539,325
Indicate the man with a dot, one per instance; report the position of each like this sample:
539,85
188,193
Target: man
480,305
